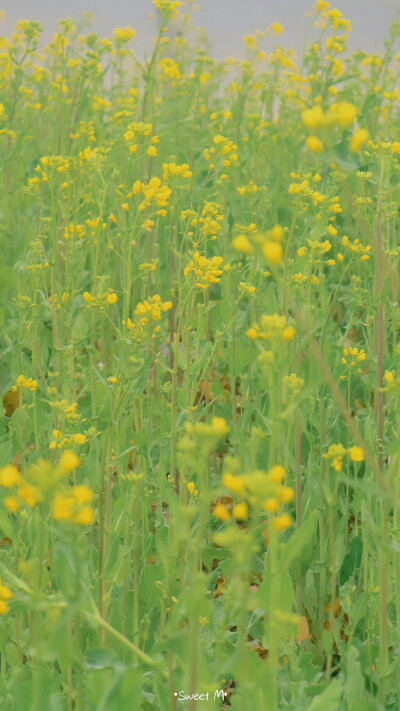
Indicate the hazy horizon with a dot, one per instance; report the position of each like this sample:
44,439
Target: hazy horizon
225,21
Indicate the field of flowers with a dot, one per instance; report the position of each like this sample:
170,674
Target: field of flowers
199,447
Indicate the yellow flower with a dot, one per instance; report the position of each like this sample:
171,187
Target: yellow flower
313,118
112,380
356,454
82,494
282,522
3,607
62,507
288,333
85,516
124,34
5,592
335,453
277,232
219,426
68,462
277,473
240,511
112,297
151,151
286,494
273,252
345,114
314,144
79,438
234,483
277,28
389,376
221,512
271,505
252,333
242,244
358,139
9,476
87,297
11,503
30,495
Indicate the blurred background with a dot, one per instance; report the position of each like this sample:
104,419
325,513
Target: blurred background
225,21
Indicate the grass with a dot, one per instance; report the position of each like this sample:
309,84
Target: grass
199,453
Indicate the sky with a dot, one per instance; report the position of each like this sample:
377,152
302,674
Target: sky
225,21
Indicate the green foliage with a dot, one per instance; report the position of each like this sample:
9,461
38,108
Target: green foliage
199,449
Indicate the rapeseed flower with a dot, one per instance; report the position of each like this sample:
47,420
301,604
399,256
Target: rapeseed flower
5,596
358,139
9,476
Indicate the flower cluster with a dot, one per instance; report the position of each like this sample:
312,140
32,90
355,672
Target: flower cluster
155,191
134,131
100,300
337,452
209,221
206,269
170,69
272,248
351,355
59,441
66,409
168,8
24,491
74,506
257,489
172,170
27,383
303,190
273,328
5,596
225,149
151,309
356,248
342,114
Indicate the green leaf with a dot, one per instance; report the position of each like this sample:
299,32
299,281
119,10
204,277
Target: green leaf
101,658
329,700
298,547
65,568
80,328
141,437
327,641
5,524
149,593
354,687
112,556
23,426
352,560
142,376
371,102
124,691
358,611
